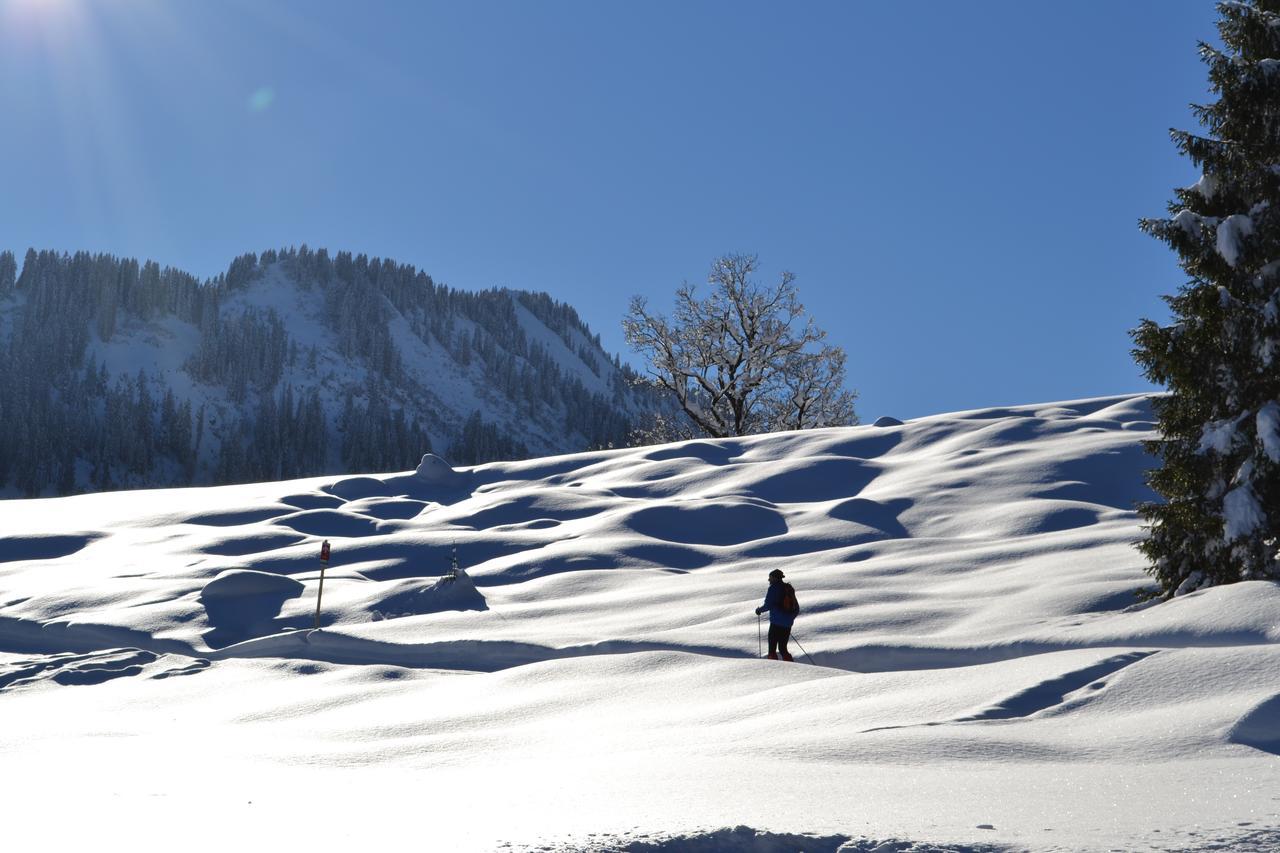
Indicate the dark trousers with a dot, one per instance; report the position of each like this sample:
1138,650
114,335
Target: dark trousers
778,636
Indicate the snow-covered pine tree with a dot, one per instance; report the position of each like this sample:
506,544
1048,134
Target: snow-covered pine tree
1220,357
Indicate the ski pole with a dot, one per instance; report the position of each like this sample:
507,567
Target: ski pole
759,639
806,654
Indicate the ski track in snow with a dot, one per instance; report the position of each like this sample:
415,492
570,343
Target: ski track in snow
986,678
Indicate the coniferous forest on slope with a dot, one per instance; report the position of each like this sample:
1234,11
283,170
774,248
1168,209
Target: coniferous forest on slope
253,399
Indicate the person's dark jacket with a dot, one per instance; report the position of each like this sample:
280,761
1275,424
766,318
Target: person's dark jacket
773,603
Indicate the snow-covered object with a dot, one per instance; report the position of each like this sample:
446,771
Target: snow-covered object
240,604
968,586
1218,436
1271,311
887,421
414,597
1191,584
1241,513
1268,422
1190,222
1266,273
1231,231
1207,186
246,583
1267,350
434,471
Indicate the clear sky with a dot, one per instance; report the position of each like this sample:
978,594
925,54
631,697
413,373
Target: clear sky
955,185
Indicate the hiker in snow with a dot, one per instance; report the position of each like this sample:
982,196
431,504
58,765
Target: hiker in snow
780,601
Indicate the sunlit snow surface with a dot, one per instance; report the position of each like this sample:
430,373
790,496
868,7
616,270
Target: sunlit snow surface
984,677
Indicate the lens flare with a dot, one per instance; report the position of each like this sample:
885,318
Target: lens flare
262,99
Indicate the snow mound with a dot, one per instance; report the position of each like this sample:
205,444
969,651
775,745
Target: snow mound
246,583
312,500
329,522
434,471
388,509
887,421
243,603
1260,727
414,597
355,488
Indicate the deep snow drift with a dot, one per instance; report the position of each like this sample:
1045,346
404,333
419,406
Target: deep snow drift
985,677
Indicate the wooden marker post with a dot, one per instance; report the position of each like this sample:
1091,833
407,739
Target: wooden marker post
324,563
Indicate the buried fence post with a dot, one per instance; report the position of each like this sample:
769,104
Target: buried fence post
324,562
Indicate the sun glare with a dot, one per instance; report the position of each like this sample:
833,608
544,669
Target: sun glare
36,7
30,21
66,51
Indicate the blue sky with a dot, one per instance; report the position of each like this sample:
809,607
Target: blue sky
955,185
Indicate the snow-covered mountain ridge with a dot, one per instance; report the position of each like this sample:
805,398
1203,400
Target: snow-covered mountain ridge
985,676
291,363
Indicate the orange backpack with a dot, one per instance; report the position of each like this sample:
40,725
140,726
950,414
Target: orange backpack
788,602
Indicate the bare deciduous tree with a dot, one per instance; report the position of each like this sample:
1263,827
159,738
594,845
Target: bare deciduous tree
743,359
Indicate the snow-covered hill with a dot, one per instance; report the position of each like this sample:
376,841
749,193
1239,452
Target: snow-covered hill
291,363
979,673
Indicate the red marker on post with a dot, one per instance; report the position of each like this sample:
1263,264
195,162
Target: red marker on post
324,562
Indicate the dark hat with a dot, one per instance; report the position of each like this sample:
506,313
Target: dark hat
776,573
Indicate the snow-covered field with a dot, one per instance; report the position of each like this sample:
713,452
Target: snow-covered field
982,674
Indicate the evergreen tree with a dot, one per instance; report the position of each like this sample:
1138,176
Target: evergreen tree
8,273
1220,422
29,262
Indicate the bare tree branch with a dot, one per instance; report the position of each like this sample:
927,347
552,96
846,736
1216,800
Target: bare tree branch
735,362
